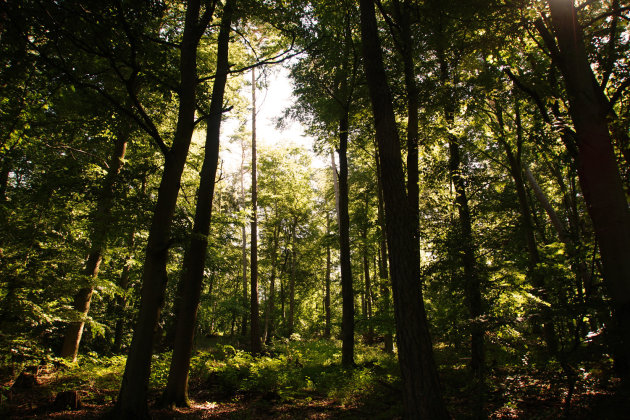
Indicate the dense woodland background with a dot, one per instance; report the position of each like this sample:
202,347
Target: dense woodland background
465,253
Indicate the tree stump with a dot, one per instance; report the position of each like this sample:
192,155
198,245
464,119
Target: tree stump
25,380
67,400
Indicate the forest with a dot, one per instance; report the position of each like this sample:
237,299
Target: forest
449,238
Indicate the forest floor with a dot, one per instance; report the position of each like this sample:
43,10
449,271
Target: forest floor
303,381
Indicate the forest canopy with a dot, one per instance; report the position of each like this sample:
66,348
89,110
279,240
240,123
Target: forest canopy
463,252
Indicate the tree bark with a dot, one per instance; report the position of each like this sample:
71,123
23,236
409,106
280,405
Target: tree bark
597,167
472,282
98,239
269,313
132,398
347,296
422,396
388,345
327,280
402,14
254,311
292,279
176,392
243,246
367,291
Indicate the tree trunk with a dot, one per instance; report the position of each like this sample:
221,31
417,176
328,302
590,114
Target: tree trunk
292,278
269,321
243,248
132,399
327,280
382,267
347,297
597,168
255,316
98,239
402,14
176,392
421,387
5,169
367,291
472,282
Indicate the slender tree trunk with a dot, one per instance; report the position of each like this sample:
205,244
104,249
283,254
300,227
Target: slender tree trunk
402,14
269,313
243,247
176,392
132,398
421,387
327,280
367,291
597,168
5,169
254,311
382,267
472,281
292,279
368,296
347,318
98,238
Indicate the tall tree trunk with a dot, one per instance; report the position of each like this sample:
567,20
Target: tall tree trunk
269,313
367,291
98,239
254,311
402,15
466,248
597,167
421,387
388,339
472,281
347,296
243,246
132,398
176,392
327,280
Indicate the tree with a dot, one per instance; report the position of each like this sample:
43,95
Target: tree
254,311
421,389
132,398
597,167
176,392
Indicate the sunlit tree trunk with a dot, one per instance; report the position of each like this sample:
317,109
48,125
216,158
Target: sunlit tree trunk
254,311
243,246
132,398
176,392
422,396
